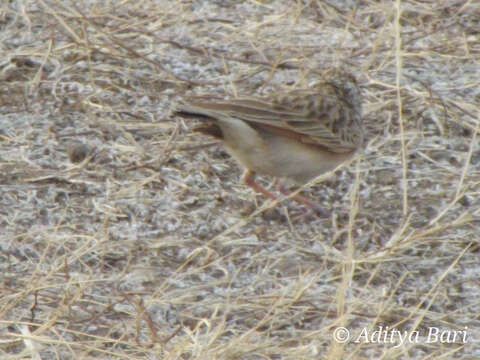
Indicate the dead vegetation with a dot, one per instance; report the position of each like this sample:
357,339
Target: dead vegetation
126,236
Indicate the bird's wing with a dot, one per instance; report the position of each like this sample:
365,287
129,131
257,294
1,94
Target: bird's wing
327,115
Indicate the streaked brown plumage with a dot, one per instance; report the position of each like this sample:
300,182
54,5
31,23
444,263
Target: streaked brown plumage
299,134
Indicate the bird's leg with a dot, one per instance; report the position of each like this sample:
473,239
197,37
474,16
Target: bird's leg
249,179
303,200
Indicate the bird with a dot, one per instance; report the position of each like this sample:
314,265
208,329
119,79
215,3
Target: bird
297,134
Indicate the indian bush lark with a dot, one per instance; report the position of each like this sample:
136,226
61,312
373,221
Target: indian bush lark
298,134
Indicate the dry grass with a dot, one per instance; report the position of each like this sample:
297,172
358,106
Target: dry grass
149,247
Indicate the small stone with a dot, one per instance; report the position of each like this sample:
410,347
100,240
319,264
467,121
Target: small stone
465,201
77,152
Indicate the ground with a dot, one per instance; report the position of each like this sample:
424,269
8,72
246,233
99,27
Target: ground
126,235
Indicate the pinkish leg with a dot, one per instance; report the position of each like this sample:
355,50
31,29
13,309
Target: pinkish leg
249,179
303,200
